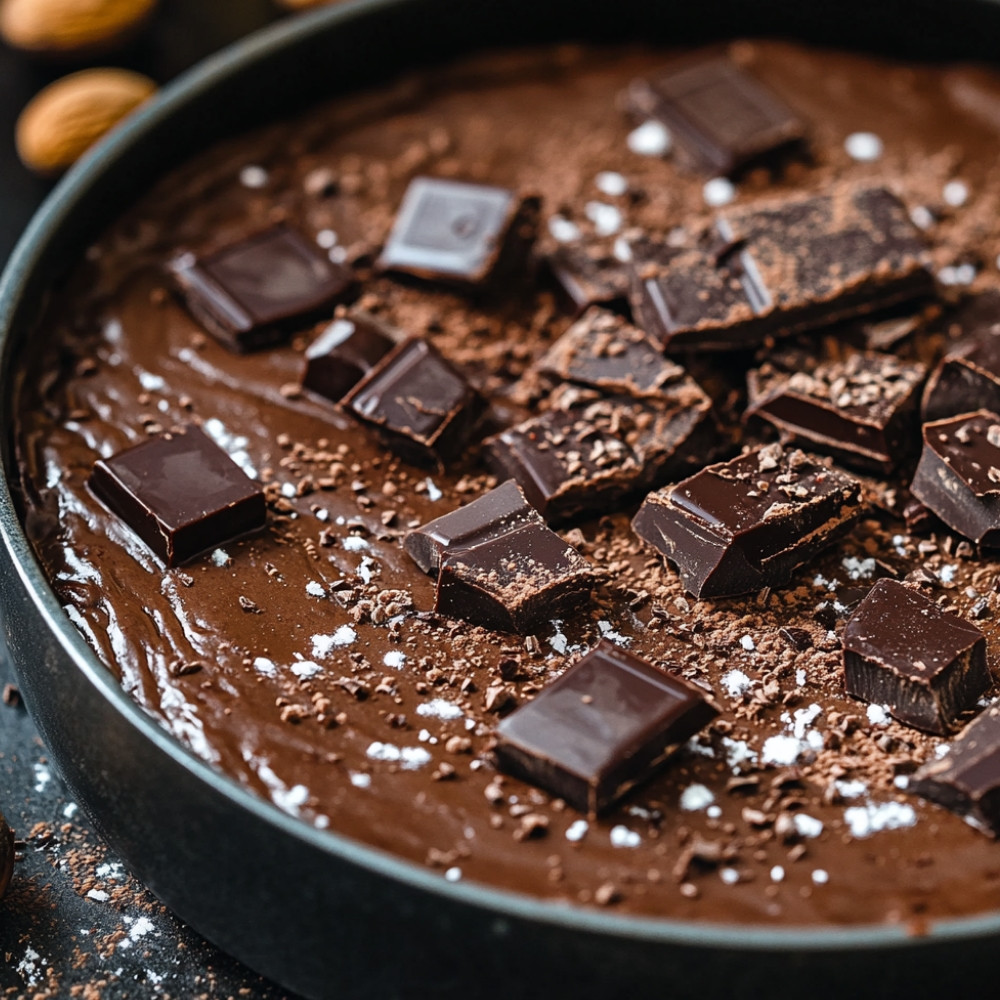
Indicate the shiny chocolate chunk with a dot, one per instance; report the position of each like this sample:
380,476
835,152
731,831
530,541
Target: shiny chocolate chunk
515,580
344,353
958,476
255,292
926,665
966,779
590,276
742,525
590,452
968,377
602,727
862,410
421,406
180,493
6,855
459,232
495,513
722,118
604,351
779,267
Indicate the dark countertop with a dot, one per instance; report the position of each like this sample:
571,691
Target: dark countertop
74,922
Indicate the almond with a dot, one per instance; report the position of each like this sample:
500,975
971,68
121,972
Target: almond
60,27
62,121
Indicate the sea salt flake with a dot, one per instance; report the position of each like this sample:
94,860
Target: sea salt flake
220,558
729,875
607,219
99,894
360,780
807,826
718,191
394,658
781,750
151,382
355,543
577,830
747,643
563,230
622,836
306,668
874,817
265,666
850,789
651,138
859,569
805,717
611,183
800,677
922,217
453,874
777,873
326,238
736,683
315,589
820,877
865,147
878,715
696,797
955,193
439,708
253,177
433,493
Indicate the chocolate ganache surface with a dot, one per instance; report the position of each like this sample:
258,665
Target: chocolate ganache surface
306,660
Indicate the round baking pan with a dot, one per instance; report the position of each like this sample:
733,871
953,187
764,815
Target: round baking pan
321,914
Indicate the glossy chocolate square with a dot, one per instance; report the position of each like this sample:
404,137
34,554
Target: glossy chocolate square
180,493
255,292
602,727
344,353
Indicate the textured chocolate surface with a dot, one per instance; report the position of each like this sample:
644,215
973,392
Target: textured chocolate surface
601,728
958,477
966,779
590,275
345,700
721,117
180,493
344,353
775,268
255,291
745,524
862,410
925,665
419,403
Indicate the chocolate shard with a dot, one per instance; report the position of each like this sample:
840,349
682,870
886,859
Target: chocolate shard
862,410
742,525
604,351
968,377
926,665
180,493
514,581
589,275
966,779
722,118
344,353
780,267
255,292
958,476
458,232
420,405
495,513
601,728
591,451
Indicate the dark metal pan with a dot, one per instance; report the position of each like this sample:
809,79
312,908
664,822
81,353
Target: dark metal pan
319,913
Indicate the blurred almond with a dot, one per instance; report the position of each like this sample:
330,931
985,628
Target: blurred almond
61,122
64,27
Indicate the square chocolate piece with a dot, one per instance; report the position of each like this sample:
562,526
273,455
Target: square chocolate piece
742,525
180,493
903,651
344,353
459,232
968,377
780,267
861,410
257,291
721,117
967,779
601,728
589,275
958,476
419,403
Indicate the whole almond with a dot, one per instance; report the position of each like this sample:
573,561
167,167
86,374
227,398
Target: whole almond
62,27
62,121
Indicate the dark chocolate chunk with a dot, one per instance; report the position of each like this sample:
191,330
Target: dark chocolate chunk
254,292
780,267
722,119
958,476
6,854
604,726
495,513
926,665
459,232
862,410
344,353
590,452
590,276
180,493
514,581
418,402
966,779
968,376
604,351
745,524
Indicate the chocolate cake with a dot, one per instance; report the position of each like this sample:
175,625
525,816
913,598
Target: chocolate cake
400,460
